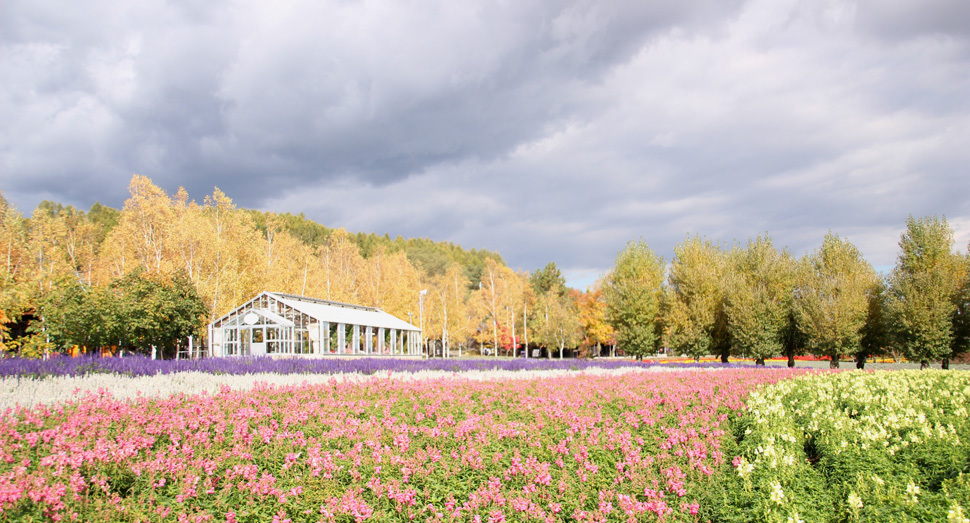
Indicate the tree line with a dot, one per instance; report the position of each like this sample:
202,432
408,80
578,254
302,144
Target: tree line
760,302
146,277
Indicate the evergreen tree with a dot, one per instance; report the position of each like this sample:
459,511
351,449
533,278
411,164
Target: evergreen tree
548,279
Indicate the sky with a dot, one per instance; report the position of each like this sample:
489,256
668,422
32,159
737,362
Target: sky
548,131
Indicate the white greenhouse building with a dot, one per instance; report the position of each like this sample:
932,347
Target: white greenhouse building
274,323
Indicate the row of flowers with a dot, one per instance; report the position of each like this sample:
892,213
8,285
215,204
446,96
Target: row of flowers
631,446
19,392
143,366
883,446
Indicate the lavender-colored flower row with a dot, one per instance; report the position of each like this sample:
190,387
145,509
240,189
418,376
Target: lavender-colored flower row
142,366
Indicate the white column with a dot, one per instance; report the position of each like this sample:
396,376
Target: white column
380,340
320,338
341,338
212,351
356,349
369,340
393,341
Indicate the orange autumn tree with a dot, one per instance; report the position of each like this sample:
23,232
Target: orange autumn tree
592,316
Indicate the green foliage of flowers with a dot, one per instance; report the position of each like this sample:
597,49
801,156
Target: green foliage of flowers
847,447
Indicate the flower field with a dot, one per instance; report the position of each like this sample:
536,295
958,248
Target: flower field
627,447
600,445
884,446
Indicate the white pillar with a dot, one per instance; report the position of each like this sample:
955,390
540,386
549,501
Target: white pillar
380,340
369,340
356,349
320,338
341,338
211,349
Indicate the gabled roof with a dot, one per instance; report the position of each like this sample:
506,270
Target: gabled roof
336,312
343,313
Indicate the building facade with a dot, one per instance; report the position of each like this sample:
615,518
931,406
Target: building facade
275,323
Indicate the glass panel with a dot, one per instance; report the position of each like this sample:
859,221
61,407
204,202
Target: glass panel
271,336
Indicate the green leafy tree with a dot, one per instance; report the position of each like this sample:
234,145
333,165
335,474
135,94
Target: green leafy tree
83,315
961,321
695,323
632,291
875,333
760,282
104,218
832,298
925,291
158,312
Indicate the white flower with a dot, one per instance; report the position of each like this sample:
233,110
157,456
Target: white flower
794,518
854,501
777,494
744,467
955,515
912,490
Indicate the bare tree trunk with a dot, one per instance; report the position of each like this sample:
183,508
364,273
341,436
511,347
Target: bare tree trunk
306,269
525,327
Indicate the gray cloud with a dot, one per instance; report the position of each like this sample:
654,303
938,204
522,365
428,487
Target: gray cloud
544,130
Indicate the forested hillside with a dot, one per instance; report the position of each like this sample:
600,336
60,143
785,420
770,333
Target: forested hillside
59,255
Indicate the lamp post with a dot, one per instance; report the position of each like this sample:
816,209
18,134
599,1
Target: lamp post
421,312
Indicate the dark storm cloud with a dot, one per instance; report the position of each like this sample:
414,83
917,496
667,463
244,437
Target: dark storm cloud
237,93
543,130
